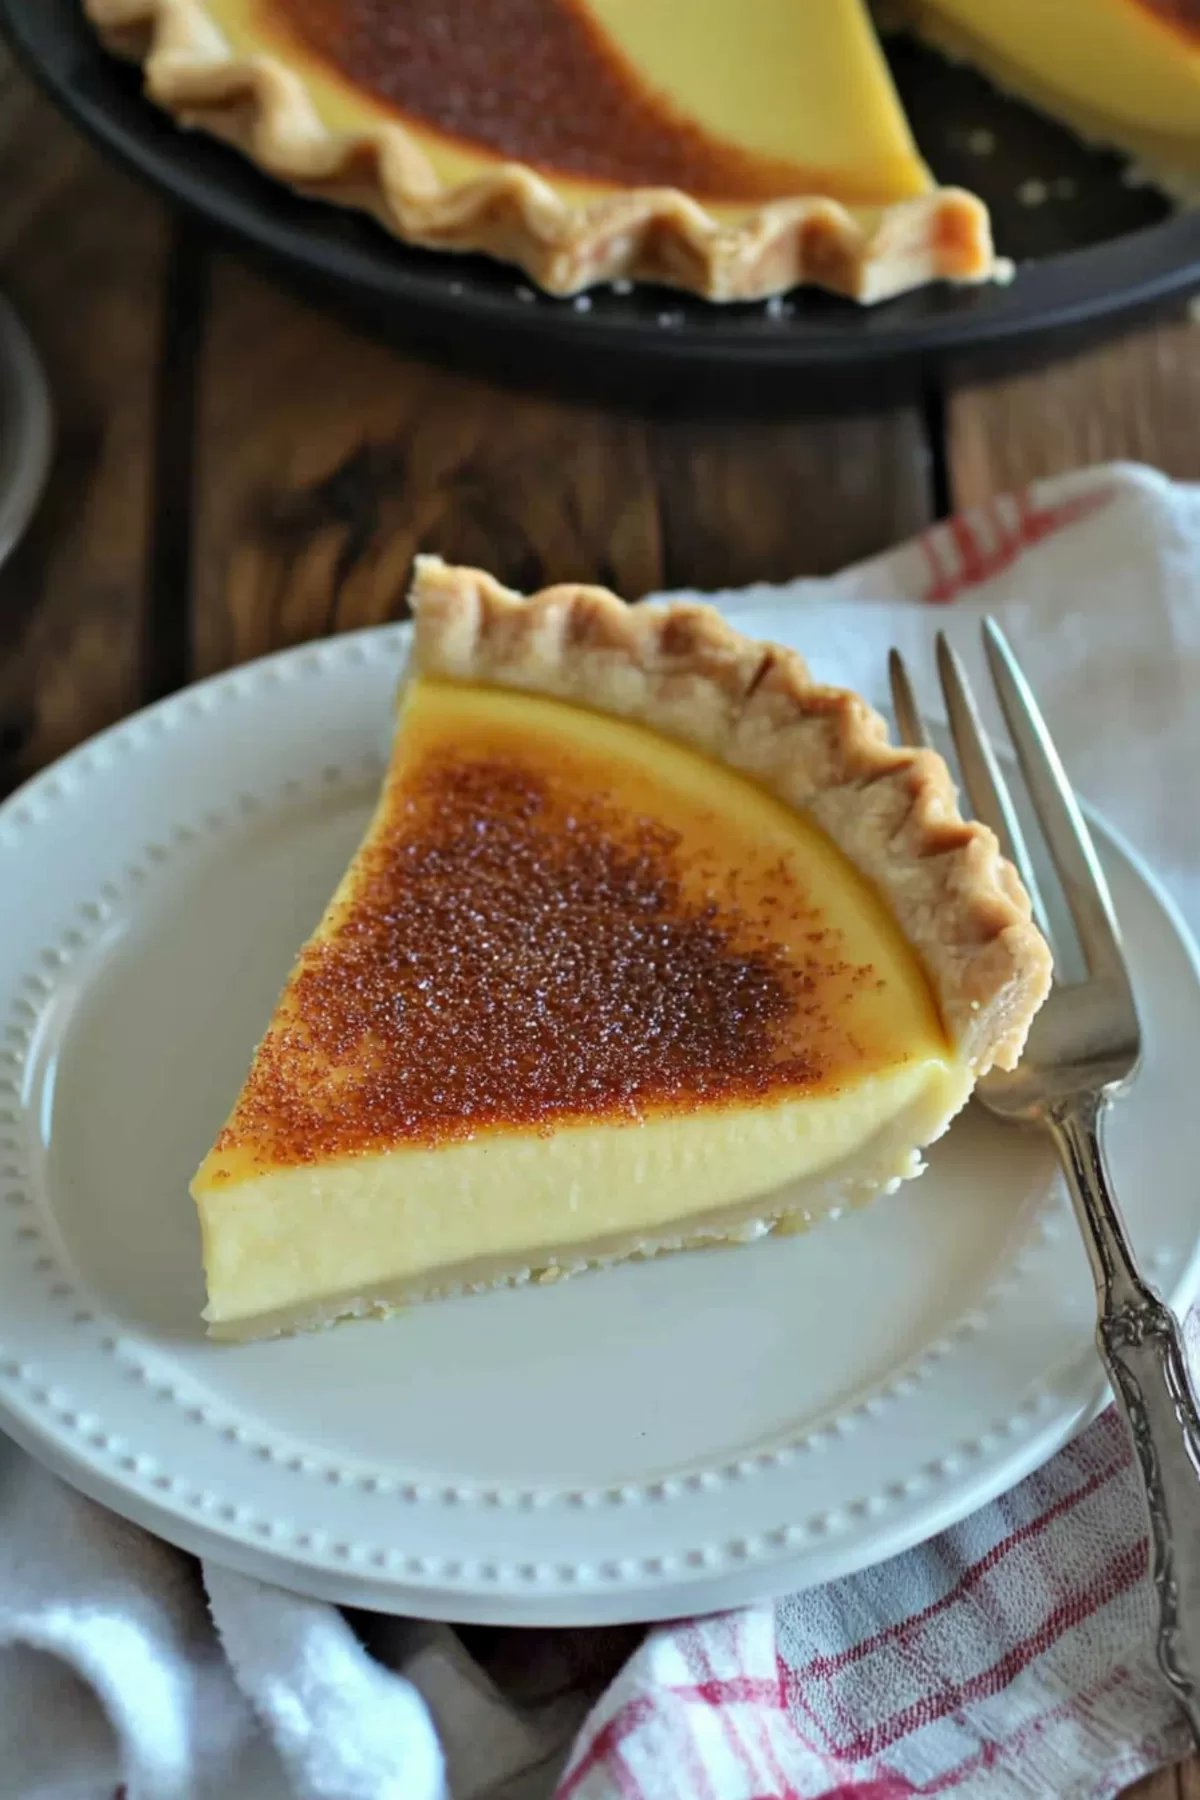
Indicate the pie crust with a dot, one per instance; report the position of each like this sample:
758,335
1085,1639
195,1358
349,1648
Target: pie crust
683,670
262,106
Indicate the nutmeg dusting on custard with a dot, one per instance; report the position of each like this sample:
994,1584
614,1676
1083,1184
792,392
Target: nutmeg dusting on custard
518,951
493,73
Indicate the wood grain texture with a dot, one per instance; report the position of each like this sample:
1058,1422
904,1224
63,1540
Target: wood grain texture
324,460
82,254
742,501
1168,1784
1138,398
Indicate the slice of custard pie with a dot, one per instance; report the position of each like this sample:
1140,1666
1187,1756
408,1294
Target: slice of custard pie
651,942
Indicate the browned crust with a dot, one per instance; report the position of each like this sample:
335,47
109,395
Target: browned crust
684,670
262,106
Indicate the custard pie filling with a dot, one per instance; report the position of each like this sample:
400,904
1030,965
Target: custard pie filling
581,982
706,105
651,941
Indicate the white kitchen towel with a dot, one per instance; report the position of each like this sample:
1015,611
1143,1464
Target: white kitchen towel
1012,1656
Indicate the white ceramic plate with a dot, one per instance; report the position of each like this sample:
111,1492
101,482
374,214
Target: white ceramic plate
666,1438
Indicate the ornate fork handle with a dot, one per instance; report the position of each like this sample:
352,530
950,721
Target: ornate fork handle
1141,1345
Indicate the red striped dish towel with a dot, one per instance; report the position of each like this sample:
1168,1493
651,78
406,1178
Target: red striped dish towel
1012,1656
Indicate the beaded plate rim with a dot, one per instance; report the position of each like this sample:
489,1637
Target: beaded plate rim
254,1498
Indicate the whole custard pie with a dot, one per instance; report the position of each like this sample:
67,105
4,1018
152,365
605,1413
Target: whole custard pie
651,942
732,147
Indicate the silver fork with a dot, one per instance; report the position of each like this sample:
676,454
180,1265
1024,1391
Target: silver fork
1083,1052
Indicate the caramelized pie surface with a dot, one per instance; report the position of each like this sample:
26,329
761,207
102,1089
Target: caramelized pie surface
559,918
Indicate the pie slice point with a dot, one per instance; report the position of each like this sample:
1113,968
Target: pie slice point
650,943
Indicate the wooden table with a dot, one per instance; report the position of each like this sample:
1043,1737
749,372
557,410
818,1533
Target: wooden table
236,472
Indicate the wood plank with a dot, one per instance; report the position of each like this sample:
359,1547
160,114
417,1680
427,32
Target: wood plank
744,501
325,459
1166,1785
1135,398
82,256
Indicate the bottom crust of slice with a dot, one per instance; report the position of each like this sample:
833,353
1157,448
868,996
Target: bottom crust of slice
725,1226
311,1243
492,1273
